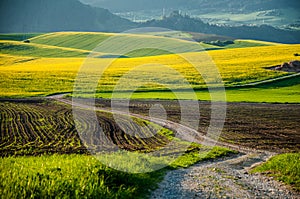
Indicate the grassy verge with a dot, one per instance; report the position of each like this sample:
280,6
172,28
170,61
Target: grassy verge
195,156
82,176
70,176
284,167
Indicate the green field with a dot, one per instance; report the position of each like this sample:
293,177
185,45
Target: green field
284,91
70,176
83,41
89,41
18,36
38,50
288,94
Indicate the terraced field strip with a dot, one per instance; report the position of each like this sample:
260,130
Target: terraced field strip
76,40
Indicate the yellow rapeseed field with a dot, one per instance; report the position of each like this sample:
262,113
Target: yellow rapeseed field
29,76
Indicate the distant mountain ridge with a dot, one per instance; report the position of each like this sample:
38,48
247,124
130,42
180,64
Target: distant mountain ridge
180,22
204,5
23,16
57,15
283,14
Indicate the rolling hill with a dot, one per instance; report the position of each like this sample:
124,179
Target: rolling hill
39,50
50,62
80,44
90,40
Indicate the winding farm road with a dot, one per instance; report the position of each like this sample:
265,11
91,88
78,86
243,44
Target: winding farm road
182,131
227,177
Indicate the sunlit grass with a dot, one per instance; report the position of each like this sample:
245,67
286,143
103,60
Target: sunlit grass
77,176
284,167
70,176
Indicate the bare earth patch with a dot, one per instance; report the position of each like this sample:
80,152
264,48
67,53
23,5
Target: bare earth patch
292,66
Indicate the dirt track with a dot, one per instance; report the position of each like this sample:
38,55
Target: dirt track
223,178
182,131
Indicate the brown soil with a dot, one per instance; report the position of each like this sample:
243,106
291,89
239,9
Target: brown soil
29,128
292,66
43,126
272,127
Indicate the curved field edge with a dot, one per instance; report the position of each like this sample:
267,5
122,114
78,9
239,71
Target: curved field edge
18,36
283,167
16,48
